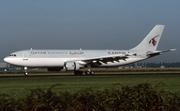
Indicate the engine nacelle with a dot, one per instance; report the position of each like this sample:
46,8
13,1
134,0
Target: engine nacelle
71,66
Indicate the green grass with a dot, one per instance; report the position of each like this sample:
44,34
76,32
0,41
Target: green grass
19,86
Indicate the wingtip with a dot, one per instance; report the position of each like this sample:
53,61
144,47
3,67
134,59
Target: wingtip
172,49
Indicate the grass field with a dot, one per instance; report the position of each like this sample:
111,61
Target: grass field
19,86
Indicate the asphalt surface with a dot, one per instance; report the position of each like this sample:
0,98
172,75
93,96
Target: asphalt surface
8,75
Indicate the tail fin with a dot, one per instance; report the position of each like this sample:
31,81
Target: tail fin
150,42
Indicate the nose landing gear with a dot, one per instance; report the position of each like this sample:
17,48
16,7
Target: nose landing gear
25,71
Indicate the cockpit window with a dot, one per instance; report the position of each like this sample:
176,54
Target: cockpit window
13,55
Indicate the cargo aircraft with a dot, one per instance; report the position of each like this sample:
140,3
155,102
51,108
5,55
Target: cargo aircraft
74,60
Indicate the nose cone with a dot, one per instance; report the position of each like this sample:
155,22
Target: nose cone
6,59
9,60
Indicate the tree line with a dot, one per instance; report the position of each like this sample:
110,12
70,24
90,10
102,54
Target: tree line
158,65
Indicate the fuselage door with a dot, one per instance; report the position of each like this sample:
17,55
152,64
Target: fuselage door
25,55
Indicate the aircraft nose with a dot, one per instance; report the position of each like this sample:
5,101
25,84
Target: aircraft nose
10,60
6,59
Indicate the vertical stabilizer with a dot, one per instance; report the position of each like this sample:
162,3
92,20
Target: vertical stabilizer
150,42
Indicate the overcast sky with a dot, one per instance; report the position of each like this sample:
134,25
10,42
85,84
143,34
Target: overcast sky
87,24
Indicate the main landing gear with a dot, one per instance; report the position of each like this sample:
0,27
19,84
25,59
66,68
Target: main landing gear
88,72
81,72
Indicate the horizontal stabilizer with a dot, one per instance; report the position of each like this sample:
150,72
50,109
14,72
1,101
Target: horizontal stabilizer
152,54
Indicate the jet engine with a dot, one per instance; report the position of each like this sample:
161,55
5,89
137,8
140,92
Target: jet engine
71,66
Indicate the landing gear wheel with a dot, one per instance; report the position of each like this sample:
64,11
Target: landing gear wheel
25,73
92,72
89,72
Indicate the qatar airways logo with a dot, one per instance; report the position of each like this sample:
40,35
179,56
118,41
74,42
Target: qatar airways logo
38,52
153,40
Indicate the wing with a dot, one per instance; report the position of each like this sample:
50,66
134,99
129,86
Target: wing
96,61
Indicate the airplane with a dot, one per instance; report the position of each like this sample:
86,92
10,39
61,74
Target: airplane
74,60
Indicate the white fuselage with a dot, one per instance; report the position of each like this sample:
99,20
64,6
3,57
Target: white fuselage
73,60
57,58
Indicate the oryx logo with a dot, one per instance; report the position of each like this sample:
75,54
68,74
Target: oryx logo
153,40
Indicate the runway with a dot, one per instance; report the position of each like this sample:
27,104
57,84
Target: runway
21,75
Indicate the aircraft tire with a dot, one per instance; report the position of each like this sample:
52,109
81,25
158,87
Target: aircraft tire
90,72
25,73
